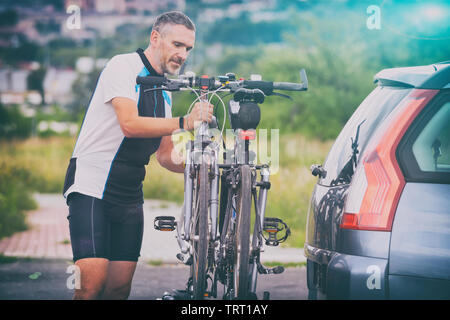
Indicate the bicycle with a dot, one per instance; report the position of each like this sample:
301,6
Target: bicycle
214,230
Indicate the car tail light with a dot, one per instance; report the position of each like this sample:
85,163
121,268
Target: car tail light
378,181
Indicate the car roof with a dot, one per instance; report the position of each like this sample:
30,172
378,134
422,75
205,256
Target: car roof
433,76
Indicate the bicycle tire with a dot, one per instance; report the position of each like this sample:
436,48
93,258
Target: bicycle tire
242,235
200,242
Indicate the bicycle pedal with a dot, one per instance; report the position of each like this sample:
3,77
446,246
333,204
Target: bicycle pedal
165,223
277,231
176,295
181,257
167,296
277,269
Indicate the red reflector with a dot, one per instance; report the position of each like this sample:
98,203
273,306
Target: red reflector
204,77
349,221
247,135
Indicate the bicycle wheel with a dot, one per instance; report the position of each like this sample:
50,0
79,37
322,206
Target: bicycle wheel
199,239
242,234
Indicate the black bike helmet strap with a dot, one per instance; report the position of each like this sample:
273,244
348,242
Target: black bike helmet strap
147,64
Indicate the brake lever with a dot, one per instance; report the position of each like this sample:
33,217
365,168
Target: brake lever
281,95
172,87
154,89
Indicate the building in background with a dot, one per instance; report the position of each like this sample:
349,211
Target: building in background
58,85
13,86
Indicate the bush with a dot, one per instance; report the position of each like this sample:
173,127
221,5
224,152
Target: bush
13,124
15,198
45,159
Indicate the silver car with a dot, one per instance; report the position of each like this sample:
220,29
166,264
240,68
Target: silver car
379,221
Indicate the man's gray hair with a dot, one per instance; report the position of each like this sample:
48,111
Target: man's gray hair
173,18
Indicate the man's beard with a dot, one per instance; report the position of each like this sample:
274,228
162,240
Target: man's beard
166,69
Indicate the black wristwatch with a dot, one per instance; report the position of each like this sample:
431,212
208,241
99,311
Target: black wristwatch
181,123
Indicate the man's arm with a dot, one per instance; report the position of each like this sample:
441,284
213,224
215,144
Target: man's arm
168,157
134,126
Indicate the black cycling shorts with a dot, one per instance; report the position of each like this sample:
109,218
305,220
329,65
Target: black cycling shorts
99,229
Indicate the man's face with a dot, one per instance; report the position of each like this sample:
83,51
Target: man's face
173,45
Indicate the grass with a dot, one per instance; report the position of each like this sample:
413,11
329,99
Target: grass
155,263
46,159
65,241
15,197
288,198
272,264
293,183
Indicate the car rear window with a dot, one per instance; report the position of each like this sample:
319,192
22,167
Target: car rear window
431,148
352,141
424,152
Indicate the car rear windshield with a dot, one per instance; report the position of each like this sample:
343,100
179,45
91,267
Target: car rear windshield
353,139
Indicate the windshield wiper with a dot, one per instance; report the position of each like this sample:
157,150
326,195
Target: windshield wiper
346,174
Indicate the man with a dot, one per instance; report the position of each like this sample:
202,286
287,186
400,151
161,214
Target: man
123,127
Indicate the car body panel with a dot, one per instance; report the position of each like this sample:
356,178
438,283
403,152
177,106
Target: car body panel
420,241
364,243
417,288
356,277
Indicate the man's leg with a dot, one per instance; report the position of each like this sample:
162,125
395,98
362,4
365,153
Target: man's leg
118,282
127,226
89,236
93,272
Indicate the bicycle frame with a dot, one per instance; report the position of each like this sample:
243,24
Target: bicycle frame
259,203
195,152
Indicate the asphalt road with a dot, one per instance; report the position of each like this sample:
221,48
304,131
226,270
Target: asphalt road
46,279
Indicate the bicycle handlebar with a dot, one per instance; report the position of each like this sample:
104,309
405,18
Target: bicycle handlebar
151,80
288,86
293,86
224,83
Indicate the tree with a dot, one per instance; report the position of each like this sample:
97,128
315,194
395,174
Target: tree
35,81
8,18
82,90
13,124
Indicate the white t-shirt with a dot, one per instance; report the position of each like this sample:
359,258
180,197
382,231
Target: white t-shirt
105,164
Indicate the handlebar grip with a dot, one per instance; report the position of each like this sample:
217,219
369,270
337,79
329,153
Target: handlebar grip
151,80
289,86
293,86
265,86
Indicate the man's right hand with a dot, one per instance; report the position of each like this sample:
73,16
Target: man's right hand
202,111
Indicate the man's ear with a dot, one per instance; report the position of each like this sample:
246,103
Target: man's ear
154,38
